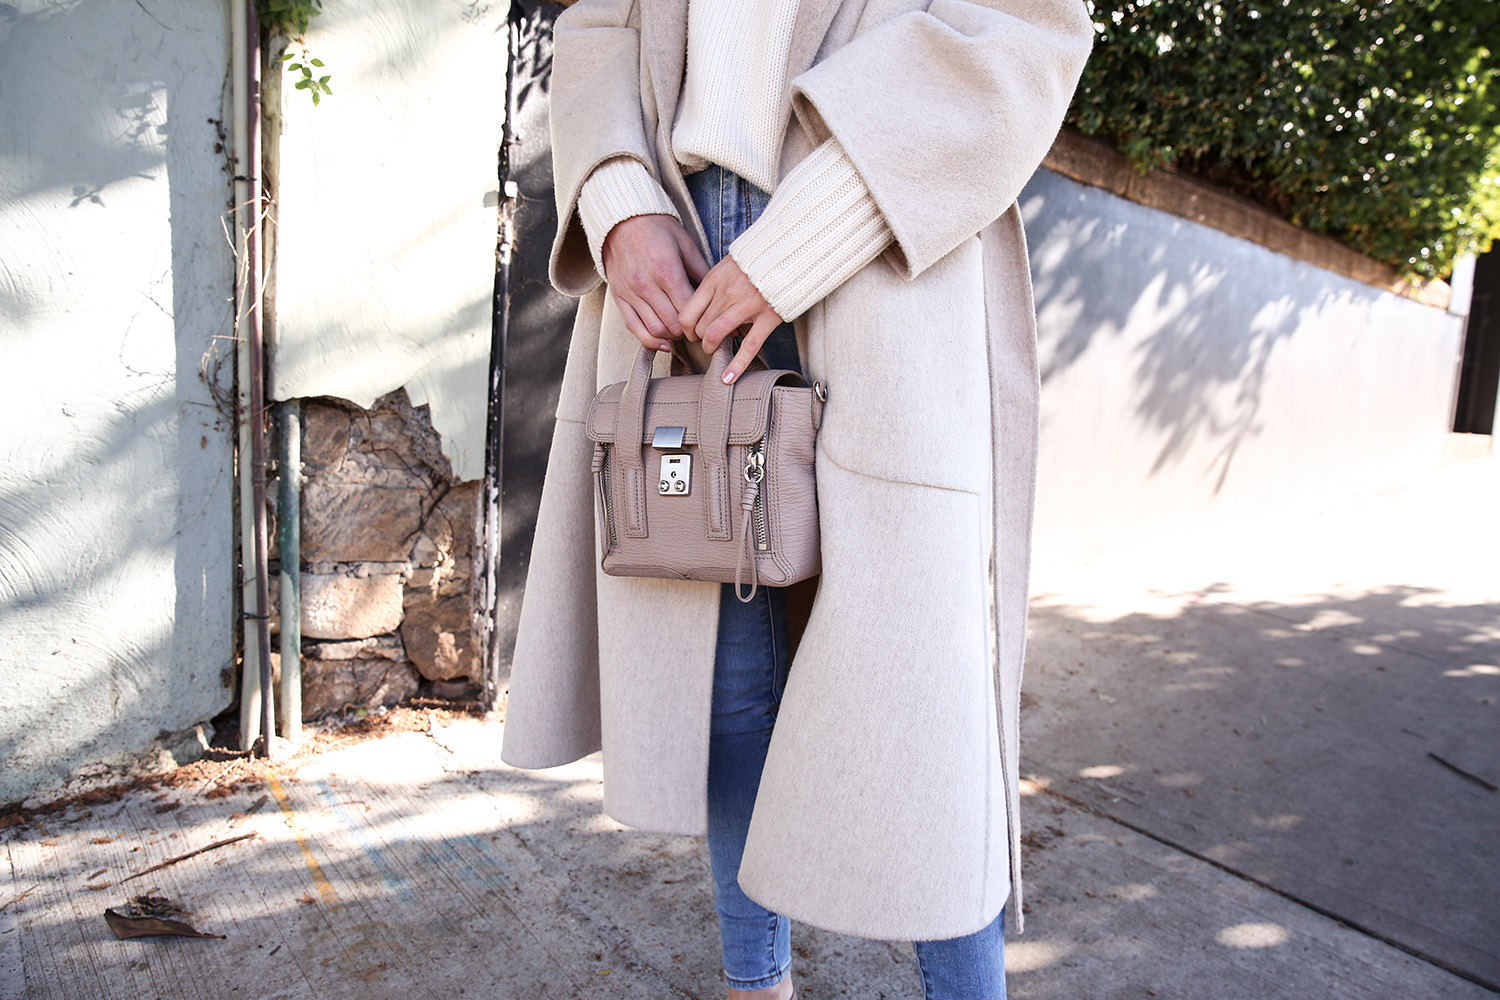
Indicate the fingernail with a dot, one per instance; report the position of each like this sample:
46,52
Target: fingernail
729,377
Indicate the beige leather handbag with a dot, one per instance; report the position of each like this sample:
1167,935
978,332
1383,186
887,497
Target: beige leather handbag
698,480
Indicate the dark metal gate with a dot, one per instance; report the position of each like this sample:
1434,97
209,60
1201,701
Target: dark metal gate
532,323
1479,378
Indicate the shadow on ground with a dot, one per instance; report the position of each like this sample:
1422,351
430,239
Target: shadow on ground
1335,748
415,865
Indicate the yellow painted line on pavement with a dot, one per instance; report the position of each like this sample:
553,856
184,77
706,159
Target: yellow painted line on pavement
325,887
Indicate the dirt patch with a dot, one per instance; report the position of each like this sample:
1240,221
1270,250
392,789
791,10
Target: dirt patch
223,770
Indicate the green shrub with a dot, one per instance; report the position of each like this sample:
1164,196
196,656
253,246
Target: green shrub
1376,121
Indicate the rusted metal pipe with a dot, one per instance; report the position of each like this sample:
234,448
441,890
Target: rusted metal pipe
256,334
245,492
257,699
289,541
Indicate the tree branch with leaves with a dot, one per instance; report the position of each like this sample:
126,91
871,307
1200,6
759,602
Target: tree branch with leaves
291,18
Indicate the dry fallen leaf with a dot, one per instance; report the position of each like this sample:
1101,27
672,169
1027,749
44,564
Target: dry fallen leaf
150,916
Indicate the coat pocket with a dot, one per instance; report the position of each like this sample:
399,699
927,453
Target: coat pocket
906,365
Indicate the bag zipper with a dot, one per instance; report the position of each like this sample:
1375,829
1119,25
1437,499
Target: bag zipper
609,502
756,459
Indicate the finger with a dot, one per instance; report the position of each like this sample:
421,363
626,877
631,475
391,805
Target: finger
663,308
717,298
692,257
662,283
655,324
679,289
723,317
691,314
638,329
764,324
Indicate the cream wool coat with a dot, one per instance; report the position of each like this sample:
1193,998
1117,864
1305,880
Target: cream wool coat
888,805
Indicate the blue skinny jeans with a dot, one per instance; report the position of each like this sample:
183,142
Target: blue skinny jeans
750,671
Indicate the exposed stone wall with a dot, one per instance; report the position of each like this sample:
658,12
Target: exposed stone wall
387,559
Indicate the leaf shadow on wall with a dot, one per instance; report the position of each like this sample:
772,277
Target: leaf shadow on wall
1182,323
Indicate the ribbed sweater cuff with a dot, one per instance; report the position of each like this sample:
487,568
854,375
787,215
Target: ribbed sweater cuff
820,227
616,190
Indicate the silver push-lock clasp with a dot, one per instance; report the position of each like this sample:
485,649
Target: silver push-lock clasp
676,475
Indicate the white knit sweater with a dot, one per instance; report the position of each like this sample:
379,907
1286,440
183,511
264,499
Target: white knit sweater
821,225
733,107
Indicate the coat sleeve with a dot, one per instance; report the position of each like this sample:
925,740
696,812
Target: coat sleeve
946,112
596,116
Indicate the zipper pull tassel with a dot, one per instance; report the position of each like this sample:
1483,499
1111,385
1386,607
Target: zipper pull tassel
747,540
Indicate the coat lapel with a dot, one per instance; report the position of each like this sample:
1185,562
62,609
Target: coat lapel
813,19
664,33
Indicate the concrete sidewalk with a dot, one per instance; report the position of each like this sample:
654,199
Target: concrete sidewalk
1311,700
1230,796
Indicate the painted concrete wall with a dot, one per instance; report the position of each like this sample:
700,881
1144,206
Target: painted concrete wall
116,570
1190,376
388,216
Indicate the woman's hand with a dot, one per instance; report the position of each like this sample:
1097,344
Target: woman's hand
650,263
725,301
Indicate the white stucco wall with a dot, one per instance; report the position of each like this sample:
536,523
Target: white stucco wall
387,235
1191,376
115,467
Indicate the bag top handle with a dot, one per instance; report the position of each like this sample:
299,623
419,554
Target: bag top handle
715,400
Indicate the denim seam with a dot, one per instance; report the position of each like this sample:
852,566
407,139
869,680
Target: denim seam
922,975
771,939
775,658
781,970
723,222
758,984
